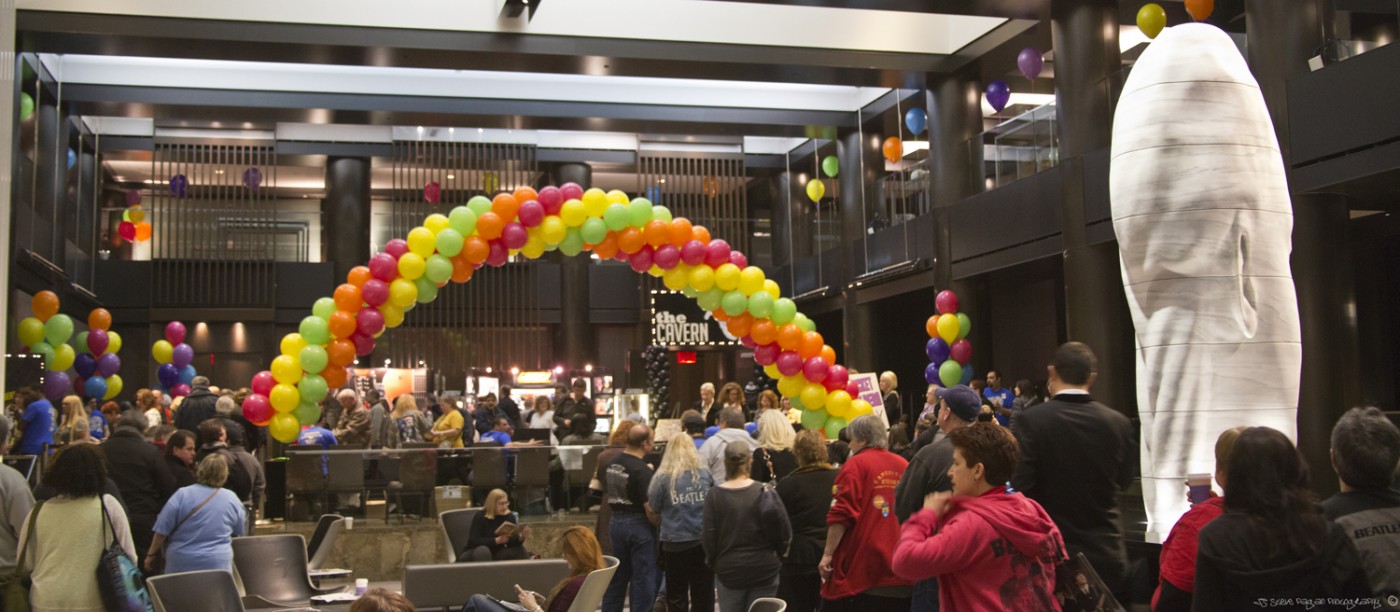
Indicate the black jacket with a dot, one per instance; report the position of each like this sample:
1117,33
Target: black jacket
1076,455
139,471
508,407
198,407
182,474
1234,569
806,495
927,473
239,480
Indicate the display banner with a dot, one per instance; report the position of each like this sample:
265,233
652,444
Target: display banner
869,386
677,320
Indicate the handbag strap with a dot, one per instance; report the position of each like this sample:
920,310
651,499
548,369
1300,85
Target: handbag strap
772,474
196,509
33,519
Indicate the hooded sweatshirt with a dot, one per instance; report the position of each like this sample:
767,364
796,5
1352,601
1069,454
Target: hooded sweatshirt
996,551
1235,567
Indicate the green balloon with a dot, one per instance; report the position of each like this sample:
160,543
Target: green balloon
803,322
639,212
812,419
45,349
313,359
80,343
711,298
463,219
761,305
830,166
307,413
427,290
478,205
324,308
315,330
964,326
439,268
950,373
690,292
594,230
572,244
26,106
734,303
833,427
661,213
31,331
783,311
313,388
449,242
615,217
58,329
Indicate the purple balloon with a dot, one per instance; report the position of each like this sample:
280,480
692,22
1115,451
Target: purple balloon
84,365
56,385
108,364
175,332
252,177
168,374
97,341
178,185
789,363
693,253
937,350
182,355
95,387
1030,62
133,198
531,213
998,94
370,321
931,374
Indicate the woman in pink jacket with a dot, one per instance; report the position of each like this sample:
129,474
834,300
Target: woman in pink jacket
989,549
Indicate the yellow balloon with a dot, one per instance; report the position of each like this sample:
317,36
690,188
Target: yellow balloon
553,229
702,278
284,427
114,386
287,370
1151,19
751,280
291,345
402,293
771,286
163,352
284,397
573,213
411,266
136,214
595,202
393,315
616,196
813,395
860,407
791,386
63,357
772,371
727,277
534,247
435,223
421,242
114,342
655,271
948,327
676,278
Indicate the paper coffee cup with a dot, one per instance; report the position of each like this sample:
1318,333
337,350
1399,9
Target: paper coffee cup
349,523
1198,486
361,585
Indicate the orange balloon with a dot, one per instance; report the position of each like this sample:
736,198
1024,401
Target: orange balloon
829,354
720,315
894,149
143,231
763,331
505,206
790,337
490,224
931,326
340,353
680,231
45,304
461,268
700,233
657,232
335,376
347,298
741,325
630,240
476,249
358,276
525,194
99,318
342,324
607,248
1200,9
811,345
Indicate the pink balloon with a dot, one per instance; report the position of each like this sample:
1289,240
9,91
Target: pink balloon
497,256
364,345
738,259
667,257
375,292
370,321
717,253
551,199
262,384
852,390
789,363
946,302
766,354
693,253
641,260
514,235
748,341
531,213
256,408
384,267
180,390
396,247
174,332
816,369
571,191
620,256
961,351
836,378
97,341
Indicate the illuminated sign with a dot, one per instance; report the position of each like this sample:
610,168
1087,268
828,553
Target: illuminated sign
677,320
541,377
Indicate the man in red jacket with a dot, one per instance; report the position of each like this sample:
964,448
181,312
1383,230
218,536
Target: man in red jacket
991,550
861,526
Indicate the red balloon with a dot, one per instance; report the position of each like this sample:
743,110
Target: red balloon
364,345
551,199
641,260
748,341
766,354
514,235
263,383
693,253
370,321
816,369
570,191
384,266
836,378
961,351
738,259
127,230
375,293
852,389
498,254
946,302
667,257
257,409
717,253
396,247
531,213
789,363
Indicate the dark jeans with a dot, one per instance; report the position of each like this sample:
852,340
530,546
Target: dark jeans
634,545
865,603
925,596
802,591
690,585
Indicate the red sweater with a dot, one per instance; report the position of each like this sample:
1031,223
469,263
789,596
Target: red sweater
863,501
1179,549
997,551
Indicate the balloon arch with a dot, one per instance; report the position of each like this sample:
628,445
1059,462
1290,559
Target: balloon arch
452,247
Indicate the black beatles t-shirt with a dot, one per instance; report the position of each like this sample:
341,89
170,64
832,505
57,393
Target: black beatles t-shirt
628,479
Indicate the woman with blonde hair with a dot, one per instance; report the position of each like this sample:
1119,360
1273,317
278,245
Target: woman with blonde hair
489,528
580,551
677,493
773,459
413,425
894,410
73,425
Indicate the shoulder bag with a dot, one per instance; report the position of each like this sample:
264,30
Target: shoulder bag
16,585
158,559
119,581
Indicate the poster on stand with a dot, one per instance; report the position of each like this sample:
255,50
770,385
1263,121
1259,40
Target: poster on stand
869,388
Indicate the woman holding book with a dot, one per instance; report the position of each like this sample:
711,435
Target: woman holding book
498,529
580,551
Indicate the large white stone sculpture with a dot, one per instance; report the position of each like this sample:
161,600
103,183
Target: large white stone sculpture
1204,225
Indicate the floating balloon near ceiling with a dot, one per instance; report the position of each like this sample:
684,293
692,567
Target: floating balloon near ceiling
998,94
133,197
815,190
1151,19
179,185
916,120
252,178
1030,62
431,192
893,148
831,166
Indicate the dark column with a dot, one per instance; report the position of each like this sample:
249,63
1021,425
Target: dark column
776,186
955,159
1085,34
49,170
1280,43
345,214
861,165
576,345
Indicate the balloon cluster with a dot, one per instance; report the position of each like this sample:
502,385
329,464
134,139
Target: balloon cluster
176,358
134,227
658,378
94,361
948,348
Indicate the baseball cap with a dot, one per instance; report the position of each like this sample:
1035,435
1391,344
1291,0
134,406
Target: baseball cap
962,399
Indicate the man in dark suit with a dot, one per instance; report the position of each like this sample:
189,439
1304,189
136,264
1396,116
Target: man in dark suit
1076,455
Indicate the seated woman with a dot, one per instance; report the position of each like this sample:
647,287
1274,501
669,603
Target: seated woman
496,512
580,551
989,549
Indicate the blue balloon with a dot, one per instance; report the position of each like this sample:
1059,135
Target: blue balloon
931,374
187,374
84,365
711,430
937,350
752,428
72,158
967,375
95,387
916,120
168,375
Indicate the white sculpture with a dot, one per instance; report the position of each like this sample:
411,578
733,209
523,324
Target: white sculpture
1204,225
